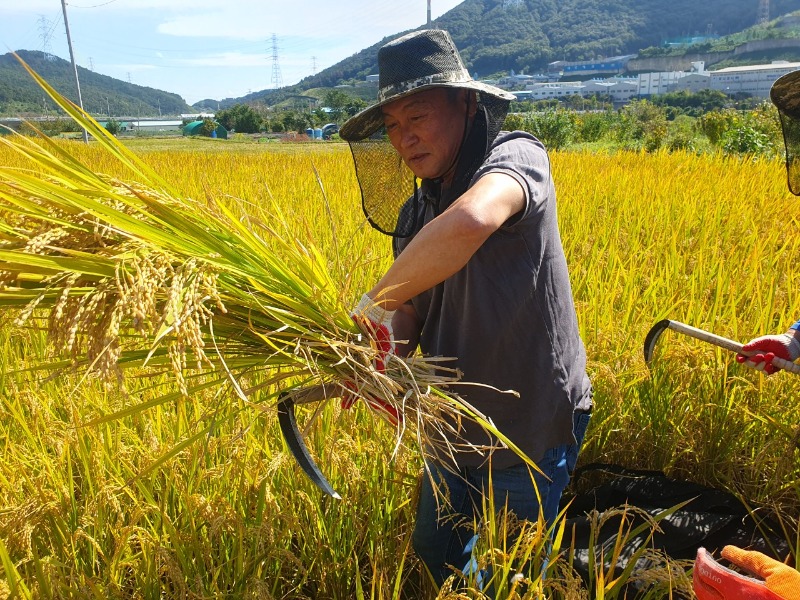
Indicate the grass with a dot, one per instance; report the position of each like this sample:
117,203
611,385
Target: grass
700,239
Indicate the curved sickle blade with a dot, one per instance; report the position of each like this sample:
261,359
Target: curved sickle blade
652,337
711,338
293,437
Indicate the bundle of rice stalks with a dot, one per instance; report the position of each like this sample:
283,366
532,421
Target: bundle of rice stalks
130,275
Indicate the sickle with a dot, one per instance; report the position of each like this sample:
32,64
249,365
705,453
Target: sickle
294,439
657,329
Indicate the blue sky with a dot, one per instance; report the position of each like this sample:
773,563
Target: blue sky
208,48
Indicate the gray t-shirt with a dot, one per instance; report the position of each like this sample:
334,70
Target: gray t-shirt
508,316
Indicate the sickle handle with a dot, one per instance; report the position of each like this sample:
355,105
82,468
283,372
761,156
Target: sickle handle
711,338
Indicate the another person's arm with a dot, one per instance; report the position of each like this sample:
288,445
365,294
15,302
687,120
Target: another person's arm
784,345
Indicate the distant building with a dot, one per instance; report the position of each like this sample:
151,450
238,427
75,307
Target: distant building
197,116
619,89
688,41
653,84
515,80
693,82
754,80
547,91
196,128
152,125
613,64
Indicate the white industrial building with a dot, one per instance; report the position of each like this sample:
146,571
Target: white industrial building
546,91
692,82
619,89
754,80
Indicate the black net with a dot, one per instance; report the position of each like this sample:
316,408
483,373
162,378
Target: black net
386,184
785,94
791,139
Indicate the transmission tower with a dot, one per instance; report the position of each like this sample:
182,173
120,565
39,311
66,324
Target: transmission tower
46,32
277,81
763,11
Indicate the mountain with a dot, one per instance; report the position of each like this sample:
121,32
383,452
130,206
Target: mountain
495,36
19,93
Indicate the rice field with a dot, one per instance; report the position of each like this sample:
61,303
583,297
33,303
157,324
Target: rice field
93,511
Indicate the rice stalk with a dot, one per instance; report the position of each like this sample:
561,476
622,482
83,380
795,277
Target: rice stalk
130,276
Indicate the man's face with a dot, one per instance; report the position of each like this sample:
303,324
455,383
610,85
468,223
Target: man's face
426,129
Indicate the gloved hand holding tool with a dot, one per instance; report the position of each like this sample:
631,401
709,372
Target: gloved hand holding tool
376,323
777,361
775,580
762,351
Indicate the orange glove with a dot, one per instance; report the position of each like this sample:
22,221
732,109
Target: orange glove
778,577
712,581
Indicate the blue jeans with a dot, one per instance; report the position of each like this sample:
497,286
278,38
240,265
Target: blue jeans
443,533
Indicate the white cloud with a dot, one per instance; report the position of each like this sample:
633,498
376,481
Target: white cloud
227,59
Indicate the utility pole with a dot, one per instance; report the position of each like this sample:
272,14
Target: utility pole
429,14
74,66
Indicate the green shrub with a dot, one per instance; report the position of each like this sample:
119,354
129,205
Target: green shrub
555,128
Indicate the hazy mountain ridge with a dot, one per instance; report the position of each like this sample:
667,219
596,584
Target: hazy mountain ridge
525,35
493,36
101,94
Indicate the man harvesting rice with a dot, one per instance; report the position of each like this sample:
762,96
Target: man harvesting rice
479,275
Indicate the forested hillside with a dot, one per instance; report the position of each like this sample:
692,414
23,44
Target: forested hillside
494,36
19,93
525,35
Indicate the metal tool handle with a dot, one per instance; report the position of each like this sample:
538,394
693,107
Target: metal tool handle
727,344
315,393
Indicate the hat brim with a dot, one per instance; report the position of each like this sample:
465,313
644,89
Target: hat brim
368,121
785,94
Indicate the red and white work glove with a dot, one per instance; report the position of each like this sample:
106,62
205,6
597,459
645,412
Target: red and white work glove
768,347
375,322
775,580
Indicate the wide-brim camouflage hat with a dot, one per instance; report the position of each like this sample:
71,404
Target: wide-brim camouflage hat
785,95
410,64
